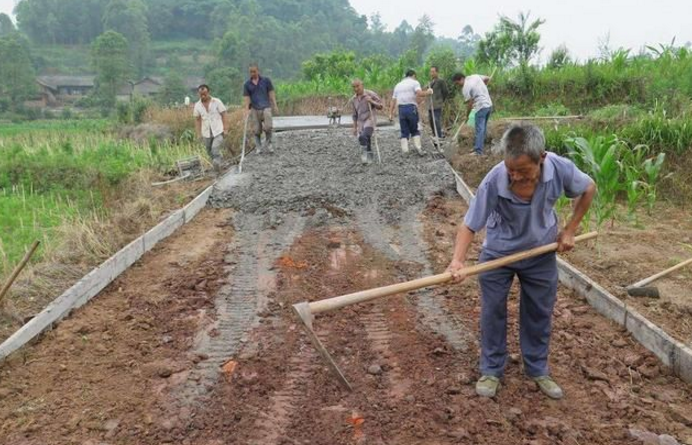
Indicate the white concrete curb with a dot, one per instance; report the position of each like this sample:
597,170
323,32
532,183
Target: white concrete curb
671,352
96,280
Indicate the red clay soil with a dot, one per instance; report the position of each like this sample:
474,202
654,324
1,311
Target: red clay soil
97,377
104,375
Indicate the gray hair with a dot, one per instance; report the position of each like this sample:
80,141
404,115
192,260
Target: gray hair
523,139
356,81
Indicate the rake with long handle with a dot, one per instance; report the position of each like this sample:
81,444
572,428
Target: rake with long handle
242,153
306,311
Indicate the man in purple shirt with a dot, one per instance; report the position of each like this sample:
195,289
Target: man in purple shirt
515,203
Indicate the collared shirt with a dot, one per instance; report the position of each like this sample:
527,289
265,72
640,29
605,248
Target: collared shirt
514,224
474,88
440,93
212,121
405,91
361,111
259,94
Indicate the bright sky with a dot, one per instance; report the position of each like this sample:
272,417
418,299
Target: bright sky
580,25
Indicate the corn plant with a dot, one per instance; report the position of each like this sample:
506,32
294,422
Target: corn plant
652,168
599,158
632,166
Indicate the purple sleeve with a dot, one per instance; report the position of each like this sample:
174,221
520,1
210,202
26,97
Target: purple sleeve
270,85
482,204
575,181
246,91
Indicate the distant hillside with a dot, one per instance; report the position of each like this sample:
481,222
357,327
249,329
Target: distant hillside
189,35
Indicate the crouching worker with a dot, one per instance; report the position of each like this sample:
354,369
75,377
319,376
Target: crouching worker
365,103
515,203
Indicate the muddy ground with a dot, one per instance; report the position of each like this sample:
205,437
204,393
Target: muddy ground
197,344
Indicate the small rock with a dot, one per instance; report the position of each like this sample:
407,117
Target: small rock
453,390
681,416
375,370
649,371
410,398
166,339
665,439
619,343
110,427
460,434
464,379
633,360
514,358
594,374
164,372
645,437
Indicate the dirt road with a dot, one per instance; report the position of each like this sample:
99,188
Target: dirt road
197,344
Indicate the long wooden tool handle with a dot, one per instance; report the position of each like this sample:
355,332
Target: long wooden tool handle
330,304
18,269
646,281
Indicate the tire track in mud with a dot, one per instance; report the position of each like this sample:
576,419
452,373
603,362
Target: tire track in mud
238,304
271,424
406,242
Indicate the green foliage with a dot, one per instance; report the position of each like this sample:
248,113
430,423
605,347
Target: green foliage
6,25
16,71
511,42
423,36
559,58
129,18
659,130
110,60
51,171
225,83
335,64
173,90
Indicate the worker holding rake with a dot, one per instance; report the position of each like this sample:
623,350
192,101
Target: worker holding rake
515,203
364,118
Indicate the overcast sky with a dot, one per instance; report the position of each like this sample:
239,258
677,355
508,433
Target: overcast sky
579,24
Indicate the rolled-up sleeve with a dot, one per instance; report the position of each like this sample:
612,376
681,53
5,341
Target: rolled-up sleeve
482,204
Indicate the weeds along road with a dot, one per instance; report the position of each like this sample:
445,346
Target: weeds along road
197,344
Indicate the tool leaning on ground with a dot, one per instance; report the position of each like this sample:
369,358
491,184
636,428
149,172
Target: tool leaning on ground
374,133
306,310
242,153
639,288
456,134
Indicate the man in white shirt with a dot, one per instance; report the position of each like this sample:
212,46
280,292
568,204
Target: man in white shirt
210,124
405,96
475,91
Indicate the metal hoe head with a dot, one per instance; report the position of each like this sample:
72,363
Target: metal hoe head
305,315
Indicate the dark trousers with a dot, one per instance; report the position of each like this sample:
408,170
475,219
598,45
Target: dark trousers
365,138
538,280
482,117
436,121
408,121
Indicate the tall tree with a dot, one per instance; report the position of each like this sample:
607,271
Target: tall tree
173,90
16,71
6,25
423,36
129,18
511,42
109,54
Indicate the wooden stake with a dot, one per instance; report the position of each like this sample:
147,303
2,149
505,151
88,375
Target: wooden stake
17,270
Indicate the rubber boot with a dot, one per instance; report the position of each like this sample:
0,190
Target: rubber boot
404,145
418,145
258,144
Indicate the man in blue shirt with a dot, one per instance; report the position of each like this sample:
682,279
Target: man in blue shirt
515,203
259,99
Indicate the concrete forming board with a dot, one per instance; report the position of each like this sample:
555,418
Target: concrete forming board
287,123
95,281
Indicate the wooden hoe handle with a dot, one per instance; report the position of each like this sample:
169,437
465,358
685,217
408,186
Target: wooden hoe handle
331,304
